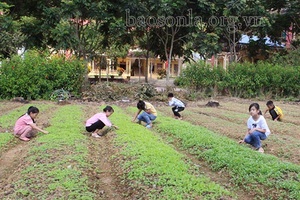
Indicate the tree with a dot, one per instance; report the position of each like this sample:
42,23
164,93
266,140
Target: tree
242,17
285,17
169,29
11,37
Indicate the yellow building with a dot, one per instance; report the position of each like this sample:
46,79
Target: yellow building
134,66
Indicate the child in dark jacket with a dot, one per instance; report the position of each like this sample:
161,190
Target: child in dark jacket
275,111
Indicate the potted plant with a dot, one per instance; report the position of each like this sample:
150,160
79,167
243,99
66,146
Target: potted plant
120,71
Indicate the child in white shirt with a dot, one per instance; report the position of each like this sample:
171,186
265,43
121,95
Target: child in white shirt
257,128
178,105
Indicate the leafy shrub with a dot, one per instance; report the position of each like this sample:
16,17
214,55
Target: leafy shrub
203,78
146,91
242,80
37,75
251,80
60,94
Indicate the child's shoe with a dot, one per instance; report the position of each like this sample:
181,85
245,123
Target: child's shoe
148,126
261,150
24,139
95,135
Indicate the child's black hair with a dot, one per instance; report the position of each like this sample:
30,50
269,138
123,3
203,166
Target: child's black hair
32,109
141,105
255,105
270,103
108,109
170,95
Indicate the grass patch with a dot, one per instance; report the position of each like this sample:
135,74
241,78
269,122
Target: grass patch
5,138
158,167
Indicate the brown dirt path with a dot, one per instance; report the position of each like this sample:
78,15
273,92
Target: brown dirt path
104,177
10,163
6,106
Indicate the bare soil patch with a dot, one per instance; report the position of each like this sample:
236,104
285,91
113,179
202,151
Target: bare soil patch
10,163
105,174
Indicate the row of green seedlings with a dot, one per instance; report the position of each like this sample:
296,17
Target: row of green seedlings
56,162
156,168
8,120
208,118
258,173
283,134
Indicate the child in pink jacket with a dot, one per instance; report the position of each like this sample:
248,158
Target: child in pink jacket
25,126
99,121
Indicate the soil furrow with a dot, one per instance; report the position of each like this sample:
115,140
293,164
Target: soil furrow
103,174
220,177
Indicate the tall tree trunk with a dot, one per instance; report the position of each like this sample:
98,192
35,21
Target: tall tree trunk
139,69
147,57
169,58
234,46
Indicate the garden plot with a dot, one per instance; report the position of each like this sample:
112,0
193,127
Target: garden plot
137,163
247,168
57,165
283,142
291,111
159,170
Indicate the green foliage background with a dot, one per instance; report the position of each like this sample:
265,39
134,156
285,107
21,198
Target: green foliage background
245,80
36,75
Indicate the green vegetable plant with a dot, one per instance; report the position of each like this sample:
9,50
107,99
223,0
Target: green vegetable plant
5,138
56,161
157,167
263,174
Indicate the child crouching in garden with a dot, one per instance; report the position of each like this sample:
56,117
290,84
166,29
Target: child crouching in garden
25,126
99,121
275,112
148,115
178,105
257,128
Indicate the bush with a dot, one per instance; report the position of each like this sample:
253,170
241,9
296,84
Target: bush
242,80
201,77
252,80
37,75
